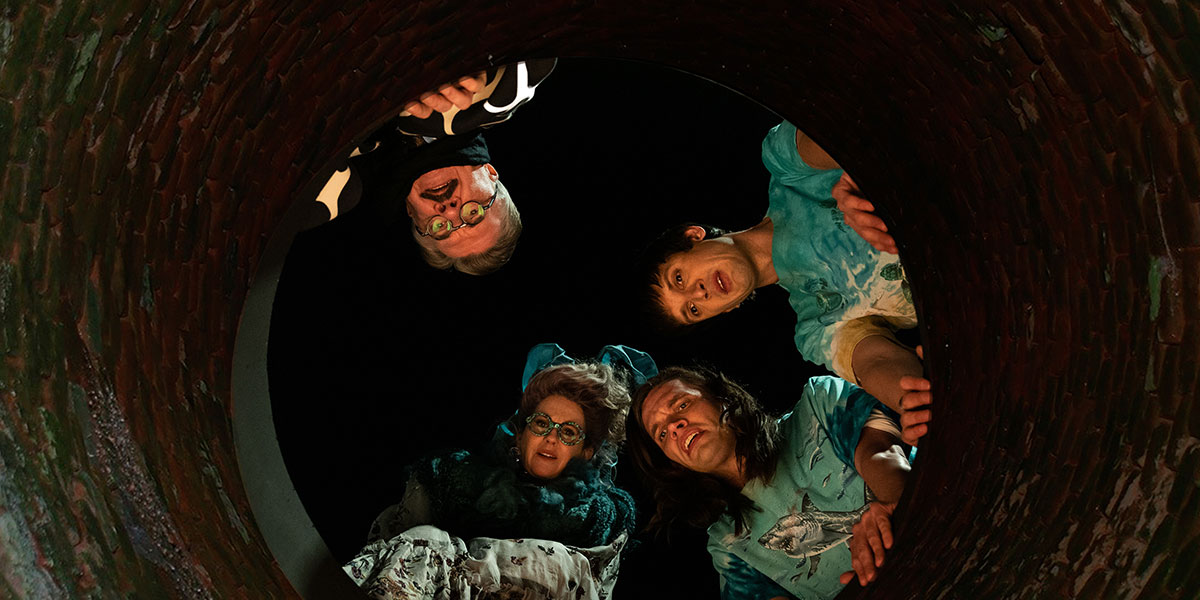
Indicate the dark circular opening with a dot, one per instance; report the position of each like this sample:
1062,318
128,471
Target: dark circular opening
378,360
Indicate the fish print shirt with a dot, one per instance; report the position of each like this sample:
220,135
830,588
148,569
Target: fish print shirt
796,543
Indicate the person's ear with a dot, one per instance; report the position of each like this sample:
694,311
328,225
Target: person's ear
409,209
695,233
492,174
588,452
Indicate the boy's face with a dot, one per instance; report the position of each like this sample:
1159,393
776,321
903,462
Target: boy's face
714,277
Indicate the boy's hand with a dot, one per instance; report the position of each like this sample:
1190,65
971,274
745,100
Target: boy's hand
872,535
451,95
858,214
914,420
916,395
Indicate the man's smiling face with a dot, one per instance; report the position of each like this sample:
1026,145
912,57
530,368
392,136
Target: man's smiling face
687,427
442,192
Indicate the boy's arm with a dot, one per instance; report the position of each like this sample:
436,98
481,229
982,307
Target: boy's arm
812,154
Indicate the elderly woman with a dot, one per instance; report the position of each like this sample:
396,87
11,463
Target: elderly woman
533,512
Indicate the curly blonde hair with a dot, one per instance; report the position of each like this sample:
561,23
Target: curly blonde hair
599,390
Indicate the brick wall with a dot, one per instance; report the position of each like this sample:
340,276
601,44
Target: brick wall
1039,161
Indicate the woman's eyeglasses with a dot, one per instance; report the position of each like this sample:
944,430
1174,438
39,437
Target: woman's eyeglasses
470,213
569,433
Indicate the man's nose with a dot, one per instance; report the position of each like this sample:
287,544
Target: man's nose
677,425
699,290
450,211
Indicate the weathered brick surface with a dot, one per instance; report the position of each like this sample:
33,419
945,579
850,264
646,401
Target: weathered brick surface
1039,161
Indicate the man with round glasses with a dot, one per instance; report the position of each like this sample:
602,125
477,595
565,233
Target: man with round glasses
432,158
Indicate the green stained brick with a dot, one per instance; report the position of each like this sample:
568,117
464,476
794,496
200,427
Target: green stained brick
87,53
1155,278
6,287
18,56
6,41
80,414
993,33
50,429
8,323
95,314
147,301
1166,86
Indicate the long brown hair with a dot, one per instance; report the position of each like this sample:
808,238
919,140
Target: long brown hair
699,499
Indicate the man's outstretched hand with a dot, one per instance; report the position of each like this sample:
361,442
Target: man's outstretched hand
872,535
457,94
858,213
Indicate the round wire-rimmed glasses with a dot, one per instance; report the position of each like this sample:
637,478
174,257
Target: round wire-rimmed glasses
470,213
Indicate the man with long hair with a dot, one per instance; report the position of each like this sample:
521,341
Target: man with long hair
781,498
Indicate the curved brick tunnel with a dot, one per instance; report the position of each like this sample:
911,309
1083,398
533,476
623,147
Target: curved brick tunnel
1040,165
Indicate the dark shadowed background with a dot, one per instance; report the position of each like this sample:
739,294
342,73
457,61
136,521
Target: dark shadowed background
376,359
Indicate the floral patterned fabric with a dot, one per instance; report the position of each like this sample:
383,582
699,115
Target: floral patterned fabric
427,562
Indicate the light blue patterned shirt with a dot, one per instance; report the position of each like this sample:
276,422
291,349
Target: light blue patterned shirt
796,542
831,274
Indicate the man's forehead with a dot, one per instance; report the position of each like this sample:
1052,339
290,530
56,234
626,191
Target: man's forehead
654,399
662,394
